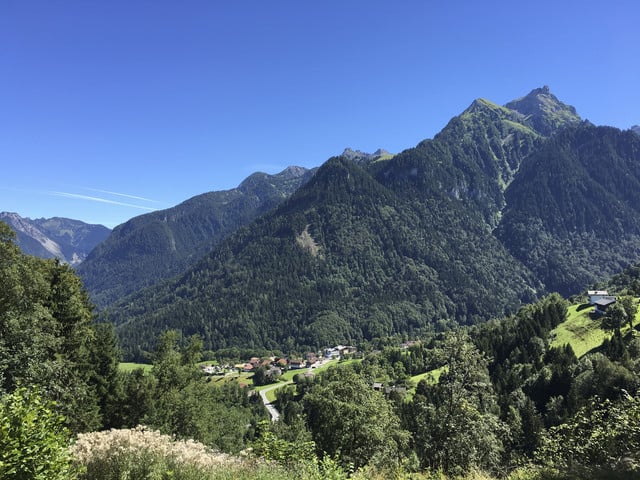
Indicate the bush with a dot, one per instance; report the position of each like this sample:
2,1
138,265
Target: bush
142,453
33,441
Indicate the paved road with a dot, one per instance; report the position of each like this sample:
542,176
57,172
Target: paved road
275,415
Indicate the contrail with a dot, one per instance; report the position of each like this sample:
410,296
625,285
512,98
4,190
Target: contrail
122,195
101,200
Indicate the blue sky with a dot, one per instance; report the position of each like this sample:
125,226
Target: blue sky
110,109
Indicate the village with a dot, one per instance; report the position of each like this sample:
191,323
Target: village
267,370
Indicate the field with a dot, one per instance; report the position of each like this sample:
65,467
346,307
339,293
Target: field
432,377
130,366
581,331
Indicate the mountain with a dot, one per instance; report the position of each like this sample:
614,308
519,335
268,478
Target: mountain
504,204
544,112
636,129
158,245
573,209
365,249
62,238
360,157
343,259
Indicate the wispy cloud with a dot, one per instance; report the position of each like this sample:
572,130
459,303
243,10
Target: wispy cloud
101,200
125,195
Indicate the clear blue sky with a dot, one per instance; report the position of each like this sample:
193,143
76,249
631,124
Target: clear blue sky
109,109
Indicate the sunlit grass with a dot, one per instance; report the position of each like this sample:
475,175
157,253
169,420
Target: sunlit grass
131,366
432,377
579,330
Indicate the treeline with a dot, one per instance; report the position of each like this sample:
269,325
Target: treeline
51,346
500,398
497,397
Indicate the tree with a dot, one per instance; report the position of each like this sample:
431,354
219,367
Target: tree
603,437
615,318
456,420
630,308
33,440
104,359
351,421
46,333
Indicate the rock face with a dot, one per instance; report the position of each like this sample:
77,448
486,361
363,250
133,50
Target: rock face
68,240
544,112
636,129
358,156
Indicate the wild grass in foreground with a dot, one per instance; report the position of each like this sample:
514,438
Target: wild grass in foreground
145,454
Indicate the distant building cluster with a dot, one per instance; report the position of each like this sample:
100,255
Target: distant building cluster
275,365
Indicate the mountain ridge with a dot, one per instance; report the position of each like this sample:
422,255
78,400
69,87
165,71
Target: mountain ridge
366,222
158,245
66,239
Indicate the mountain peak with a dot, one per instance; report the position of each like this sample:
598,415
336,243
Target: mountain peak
359,156
293,171
63,238
544,112
483,106
636,129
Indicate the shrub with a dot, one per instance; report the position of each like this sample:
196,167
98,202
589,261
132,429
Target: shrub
142,453
33,441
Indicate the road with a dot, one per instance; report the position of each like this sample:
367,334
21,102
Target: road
275,415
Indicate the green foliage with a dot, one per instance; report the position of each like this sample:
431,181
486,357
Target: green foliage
33,440
615,318
353,423
48,339
379,273
601,440
573,212
175,398
270,447
456,420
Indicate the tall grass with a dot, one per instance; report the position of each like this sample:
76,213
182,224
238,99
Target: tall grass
141,453
144,454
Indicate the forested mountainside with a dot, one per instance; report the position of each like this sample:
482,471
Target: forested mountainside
573,209
514,392
343,259
376,248
65,239
161,244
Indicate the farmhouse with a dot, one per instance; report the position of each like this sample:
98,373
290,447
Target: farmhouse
296,364
603,304
595,295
